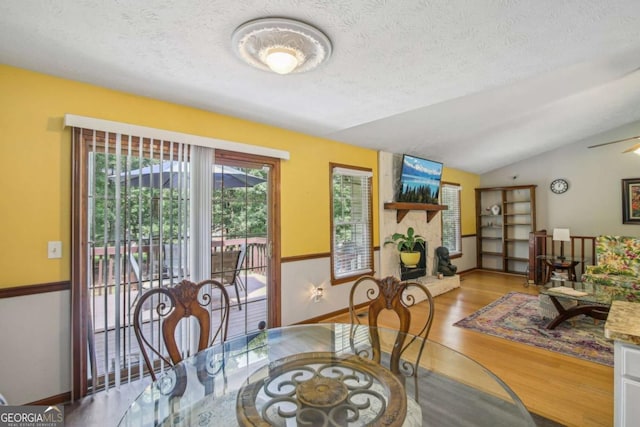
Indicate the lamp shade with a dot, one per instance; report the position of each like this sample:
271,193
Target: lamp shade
561,234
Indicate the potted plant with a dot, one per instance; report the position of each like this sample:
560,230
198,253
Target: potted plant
406,244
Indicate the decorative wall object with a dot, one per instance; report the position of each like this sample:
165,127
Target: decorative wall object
631,201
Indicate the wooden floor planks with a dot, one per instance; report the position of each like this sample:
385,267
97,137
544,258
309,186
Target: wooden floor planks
565,389
562,388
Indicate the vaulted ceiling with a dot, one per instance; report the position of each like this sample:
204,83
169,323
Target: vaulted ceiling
474,84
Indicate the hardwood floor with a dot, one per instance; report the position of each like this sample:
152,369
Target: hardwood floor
565,389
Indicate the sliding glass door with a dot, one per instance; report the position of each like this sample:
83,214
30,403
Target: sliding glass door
242,222
139,208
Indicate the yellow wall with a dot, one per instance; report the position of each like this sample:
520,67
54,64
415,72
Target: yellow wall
469,182
36,167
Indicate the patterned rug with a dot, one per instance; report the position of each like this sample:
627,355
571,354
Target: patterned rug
516,317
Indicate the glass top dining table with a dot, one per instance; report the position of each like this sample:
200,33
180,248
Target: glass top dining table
322,375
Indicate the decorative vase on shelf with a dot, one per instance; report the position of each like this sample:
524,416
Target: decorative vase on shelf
495,209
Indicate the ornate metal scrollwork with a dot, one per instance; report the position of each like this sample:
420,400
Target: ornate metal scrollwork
323,389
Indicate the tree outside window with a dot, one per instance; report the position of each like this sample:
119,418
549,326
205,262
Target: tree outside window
351,223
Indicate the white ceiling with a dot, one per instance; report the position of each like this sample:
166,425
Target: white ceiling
477,84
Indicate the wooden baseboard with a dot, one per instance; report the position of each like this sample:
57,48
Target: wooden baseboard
467,271
58,399
322,318
507,273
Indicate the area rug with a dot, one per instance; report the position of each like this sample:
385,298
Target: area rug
516,317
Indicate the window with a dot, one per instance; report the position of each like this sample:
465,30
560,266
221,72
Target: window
451,234
351,223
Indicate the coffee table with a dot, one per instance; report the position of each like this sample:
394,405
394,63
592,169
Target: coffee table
584,293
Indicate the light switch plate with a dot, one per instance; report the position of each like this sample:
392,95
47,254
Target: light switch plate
54,250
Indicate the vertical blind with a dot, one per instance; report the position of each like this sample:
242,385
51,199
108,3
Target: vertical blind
451,232
137,237
143,218
351,222
200,220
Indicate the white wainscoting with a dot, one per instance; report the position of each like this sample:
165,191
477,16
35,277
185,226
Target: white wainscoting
35,336
298,280
35,347
468,260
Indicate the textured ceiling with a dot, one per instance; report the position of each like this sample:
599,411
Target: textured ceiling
475,84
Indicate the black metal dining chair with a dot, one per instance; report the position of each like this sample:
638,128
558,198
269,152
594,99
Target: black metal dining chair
225,267
373,298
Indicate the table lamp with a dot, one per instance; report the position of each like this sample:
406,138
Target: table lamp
561,235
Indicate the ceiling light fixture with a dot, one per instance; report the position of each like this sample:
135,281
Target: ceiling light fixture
281,45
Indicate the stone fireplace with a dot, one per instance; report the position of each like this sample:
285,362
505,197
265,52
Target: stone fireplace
389,166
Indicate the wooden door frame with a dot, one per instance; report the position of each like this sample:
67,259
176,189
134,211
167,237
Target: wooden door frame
230,158
79,263
79,254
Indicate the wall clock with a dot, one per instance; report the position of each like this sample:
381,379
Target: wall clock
559,185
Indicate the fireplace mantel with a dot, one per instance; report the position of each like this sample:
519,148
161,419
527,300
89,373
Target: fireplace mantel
403,208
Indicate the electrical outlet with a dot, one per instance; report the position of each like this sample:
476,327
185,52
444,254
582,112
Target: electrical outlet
54,250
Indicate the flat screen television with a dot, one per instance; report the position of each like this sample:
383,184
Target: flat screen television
419,180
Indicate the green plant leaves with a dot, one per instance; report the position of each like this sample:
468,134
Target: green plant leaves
406,242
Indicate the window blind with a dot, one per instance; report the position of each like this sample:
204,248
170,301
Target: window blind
141,233
112,127
138,237
352,247
142,209
451,229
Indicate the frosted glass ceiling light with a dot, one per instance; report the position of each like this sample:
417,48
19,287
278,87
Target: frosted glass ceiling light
281,45
282,60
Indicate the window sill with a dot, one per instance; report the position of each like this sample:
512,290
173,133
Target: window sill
348,279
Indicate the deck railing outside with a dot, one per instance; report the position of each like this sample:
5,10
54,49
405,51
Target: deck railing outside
155,262
112,346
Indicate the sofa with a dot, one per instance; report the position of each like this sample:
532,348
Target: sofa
616,275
